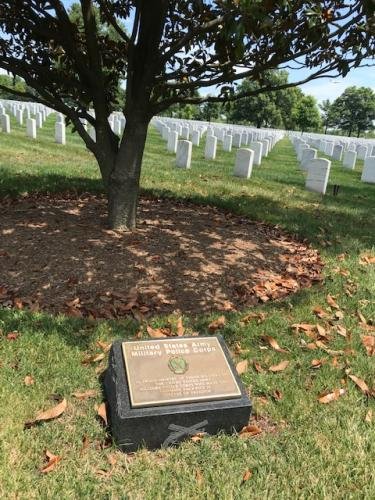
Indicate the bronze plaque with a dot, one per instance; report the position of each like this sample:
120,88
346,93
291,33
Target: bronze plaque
178,370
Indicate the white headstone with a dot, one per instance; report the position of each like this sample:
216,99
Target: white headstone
92,133
195,137
244,163
60,136
210,149
266,147
308,154
329,148
337,152
39,119
31,128
185,133
362,152
349,160
227,143
172,142
257,147
318,175
5,123
368,172
19,116
237,137
183,154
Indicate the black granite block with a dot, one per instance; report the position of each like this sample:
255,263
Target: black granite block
161,426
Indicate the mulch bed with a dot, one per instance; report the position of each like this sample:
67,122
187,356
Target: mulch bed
56,255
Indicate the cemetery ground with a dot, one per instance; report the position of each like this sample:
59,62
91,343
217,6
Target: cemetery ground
296,445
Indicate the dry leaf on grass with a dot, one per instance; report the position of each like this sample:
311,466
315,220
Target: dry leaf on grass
242,366
50,414
279,367
28,380
180,327
331,300
250,430
197,438
369,342
317,363
90,393
258,367
102,413
278,395
326,398
95,358
217,324
52,461
273,343
12,335
360,383
199,477
341,330
367,259
368,417
247,475
103,345
321,313
305,327
156,333
361,318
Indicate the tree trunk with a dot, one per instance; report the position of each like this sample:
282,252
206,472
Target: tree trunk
123,188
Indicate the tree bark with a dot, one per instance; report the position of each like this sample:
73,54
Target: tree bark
123,186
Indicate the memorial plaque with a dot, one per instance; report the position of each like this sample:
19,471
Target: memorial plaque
160,392
177,370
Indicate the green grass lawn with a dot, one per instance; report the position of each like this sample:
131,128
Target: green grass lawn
306,449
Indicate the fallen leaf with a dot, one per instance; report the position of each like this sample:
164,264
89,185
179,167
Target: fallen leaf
273,343
12,335
250,431
369,342
305,327
50,414
362,319
260,317
104,346
360,383
331,300
198,437
367,259
28,380
317,363
85,444
278,395
339,315
217,324
242,366
199,477
331,396
180,327
321,313
112,459
341,330
102,413
90,393
247,475
321,331
368,417
155,333
52,461
258,367
280,367
95,358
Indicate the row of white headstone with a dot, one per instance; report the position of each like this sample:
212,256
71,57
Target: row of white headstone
177,133
33,115
318,169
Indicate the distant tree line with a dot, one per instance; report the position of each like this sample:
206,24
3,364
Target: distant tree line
353,112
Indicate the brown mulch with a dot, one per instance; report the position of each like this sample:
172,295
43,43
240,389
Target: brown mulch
56,255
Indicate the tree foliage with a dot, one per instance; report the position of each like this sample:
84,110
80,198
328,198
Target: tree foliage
9,85
306,114
172,49
354,110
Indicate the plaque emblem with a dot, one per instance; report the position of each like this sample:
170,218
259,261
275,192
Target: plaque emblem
178,365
